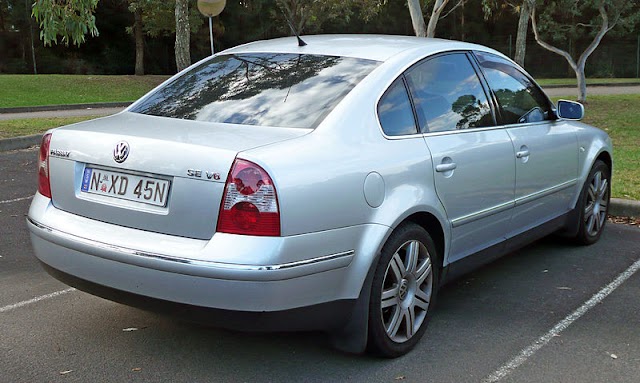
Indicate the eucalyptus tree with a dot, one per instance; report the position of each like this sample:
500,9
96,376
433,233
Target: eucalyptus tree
555,23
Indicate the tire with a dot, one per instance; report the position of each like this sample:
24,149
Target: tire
593,204
403,291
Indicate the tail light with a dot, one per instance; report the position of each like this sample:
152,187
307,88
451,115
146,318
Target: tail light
249,204
44,185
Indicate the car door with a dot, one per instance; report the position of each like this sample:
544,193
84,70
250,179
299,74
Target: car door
473,164
546,149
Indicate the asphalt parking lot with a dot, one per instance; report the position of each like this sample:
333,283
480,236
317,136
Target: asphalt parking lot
548,313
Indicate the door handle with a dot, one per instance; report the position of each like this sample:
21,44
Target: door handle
522,154
446,167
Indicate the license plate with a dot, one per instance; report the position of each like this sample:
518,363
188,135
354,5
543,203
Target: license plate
131,187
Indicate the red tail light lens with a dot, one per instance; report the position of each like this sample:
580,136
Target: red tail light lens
249,204
44,186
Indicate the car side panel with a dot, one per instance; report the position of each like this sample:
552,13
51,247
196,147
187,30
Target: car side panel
478,194
546,172
592,142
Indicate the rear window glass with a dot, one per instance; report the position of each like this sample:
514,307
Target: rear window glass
269,89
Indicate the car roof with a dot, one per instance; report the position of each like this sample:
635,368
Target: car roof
370,47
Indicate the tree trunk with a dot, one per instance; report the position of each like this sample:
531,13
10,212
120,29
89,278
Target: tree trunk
438,7
2,28
139,37
416,18
582,84
462,35
33,50
523,28
183,57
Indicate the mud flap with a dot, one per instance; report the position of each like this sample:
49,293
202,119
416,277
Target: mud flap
352,338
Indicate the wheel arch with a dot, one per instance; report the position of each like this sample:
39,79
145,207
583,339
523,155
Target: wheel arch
431,225
606,158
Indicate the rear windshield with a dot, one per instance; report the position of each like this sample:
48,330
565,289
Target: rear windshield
268,89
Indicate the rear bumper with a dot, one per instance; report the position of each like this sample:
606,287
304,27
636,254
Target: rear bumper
323,316
193,278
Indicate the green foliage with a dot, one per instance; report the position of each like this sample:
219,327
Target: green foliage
69,19
158,17
570,20
307,16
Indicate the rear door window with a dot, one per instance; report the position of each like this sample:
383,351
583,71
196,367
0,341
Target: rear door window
448,95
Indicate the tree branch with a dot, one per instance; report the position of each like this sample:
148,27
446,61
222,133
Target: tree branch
453,8
604,28
548,46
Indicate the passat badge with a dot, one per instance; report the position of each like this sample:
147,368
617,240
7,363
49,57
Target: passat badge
121,152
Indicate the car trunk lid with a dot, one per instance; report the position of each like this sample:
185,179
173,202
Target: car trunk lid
171,180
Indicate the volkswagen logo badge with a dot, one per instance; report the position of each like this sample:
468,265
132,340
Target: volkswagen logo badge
121,152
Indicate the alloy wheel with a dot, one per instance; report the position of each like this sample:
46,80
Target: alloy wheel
595,211
406,291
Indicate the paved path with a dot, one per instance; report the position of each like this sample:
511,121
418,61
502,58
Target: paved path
593,90
61,113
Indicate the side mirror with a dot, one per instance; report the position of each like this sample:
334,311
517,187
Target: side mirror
570,110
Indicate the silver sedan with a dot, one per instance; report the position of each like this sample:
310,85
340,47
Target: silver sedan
332,186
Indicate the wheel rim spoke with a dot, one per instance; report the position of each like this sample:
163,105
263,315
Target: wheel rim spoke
423,272
597,223
397,267
588,211
422,300
390,297
592,192
395,322
603,190
410,320
590,224
413,252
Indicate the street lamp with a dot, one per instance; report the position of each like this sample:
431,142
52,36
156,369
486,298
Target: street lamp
210,8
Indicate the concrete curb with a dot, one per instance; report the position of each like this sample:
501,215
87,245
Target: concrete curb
22,142
49,108
624,208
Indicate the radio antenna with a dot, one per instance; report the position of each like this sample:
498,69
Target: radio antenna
301,42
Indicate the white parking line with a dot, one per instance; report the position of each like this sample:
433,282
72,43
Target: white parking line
35,300
528,352
16,200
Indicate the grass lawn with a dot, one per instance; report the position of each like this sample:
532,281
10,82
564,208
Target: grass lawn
54,89
28,126
619,115
573,82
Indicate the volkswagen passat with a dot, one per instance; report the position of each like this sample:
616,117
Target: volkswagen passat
332,186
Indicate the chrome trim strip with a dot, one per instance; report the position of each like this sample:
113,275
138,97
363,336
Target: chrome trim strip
196,267
482,214
543,193
508,205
